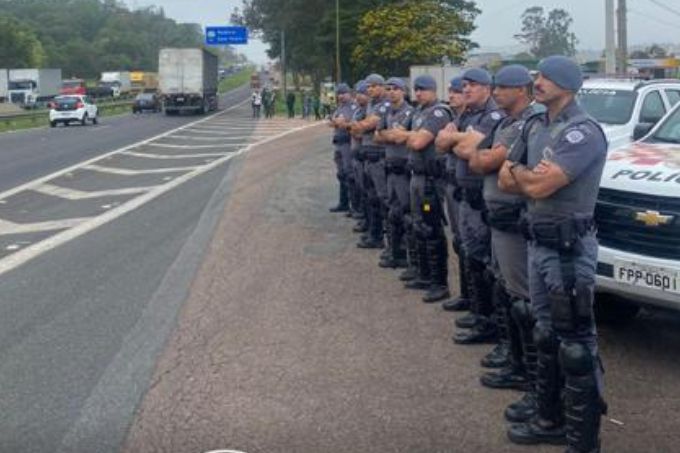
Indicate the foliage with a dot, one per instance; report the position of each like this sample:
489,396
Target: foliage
653,51
417,32
85,37
19,46
549,35
236,80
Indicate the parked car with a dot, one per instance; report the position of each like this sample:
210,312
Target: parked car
620,105
638,217
146,101
73,108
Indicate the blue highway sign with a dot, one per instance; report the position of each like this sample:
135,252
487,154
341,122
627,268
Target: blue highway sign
221,36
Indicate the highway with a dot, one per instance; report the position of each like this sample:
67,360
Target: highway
101,231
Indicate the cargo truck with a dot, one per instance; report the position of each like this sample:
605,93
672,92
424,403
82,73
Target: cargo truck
31,88
442,74
187,79
4,81
118,81
143,82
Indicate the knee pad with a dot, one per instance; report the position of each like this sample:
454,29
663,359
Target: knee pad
576,359
546,340
521,313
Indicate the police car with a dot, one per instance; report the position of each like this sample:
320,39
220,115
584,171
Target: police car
638,217
627,109
68,109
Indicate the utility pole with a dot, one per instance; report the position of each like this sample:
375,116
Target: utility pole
338,74
609,38
283,63
622,34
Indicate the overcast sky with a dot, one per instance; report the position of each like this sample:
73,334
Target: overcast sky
647,21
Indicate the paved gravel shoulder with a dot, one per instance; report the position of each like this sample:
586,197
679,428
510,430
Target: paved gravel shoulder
292,340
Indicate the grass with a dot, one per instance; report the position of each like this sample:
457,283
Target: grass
235,80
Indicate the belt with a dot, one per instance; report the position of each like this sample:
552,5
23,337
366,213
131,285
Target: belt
474,198
504,218
396,166
559,235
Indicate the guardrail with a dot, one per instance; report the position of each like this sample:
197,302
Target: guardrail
41,117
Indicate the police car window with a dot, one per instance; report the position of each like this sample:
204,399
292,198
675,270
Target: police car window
673,96
669,131
652,108
608,106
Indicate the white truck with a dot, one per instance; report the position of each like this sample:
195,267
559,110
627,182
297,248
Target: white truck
442,74
187,79
4,81
32,87
117,81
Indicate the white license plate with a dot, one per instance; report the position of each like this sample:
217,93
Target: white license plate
647,276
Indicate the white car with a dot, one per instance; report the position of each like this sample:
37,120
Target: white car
73,108
622,105
638,217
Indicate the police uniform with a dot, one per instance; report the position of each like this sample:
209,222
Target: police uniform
562,264
474,233
359,193
374,172
398,180
426,207
342,155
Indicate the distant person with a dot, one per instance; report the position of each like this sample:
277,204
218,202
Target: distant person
290,103
307,106
316,105
256,102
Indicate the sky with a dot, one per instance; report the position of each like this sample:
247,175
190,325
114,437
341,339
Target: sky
648,20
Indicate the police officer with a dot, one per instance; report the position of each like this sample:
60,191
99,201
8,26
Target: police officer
561,154
426,209
374,167
399,116
513,94
448,186
341,140
482,114
358,193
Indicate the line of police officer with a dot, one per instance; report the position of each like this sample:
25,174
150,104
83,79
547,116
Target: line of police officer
512,165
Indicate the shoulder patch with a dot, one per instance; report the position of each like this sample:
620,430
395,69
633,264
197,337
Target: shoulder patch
495,116
438,113
575,136
383,109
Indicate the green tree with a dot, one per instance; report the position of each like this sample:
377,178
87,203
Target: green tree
547,35
417,32
19,46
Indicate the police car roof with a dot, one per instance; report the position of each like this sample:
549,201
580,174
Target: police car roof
625,84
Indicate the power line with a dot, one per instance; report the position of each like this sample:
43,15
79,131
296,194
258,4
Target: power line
666,7
647,16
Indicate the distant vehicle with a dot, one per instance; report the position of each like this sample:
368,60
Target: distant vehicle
146,101
187,80
73,108
99,92
442,74
73,86
31,88
4,82
622,105
118,81
143,81
638,218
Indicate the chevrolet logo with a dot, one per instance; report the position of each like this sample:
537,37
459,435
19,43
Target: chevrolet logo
653,218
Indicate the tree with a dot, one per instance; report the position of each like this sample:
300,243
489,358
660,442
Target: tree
418,32
19,46
549,35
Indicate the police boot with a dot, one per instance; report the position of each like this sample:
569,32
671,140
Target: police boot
484,331
438,255
422,280
411,272
375,229
547,426
582,400
524,409
354,199
513,375
397,254
498,357
343,203
462,302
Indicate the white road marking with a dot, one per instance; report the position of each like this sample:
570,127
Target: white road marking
17,259
221,145
7,227
171,156
73,194
128,172
215,138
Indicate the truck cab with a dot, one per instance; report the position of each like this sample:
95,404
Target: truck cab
73,86
23,92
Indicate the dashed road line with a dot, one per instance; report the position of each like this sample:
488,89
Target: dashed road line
171,156
128,172
73,194
221,145
7,227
